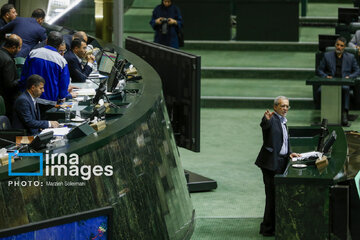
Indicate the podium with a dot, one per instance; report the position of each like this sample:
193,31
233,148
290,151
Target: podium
331,96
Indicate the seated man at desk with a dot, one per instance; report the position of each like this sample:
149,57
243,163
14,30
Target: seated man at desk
339,64
74,57
26,110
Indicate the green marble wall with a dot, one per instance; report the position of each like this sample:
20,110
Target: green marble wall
148,189
302,211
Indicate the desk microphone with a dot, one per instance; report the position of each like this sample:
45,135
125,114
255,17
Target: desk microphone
21,146
323,133
78,71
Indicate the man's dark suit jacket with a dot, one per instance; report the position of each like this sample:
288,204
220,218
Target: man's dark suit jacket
349,66
25,116
8,80
272,143
29,30
77,73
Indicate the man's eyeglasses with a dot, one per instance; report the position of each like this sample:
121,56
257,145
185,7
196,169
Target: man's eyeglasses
285,106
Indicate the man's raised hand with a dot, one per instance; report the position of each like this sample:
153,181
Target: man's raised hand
268,114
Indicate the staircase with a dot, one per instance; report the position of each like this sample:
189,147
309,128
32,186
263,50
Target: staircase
251,74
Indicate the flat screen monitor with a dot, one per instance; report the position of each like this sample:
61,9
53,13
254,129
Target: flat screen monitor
116,73
94,224
180,75
329,142
107,61
348,15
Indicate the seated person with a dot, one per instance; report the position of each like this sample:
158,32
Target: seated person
74,57
62,49
355,41
339,64
26,110
69,38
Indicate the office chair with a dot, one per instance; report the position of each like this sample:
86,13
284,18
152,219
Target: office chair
2,106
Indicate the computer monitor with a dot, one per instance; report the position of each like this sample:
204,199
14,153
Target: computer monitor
41,140
107,61
329,142
116,73
93,224
348,15
180,73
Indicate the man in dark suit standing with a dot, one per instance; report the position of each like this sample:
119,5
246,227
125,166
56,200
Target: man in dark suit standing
8,13
9,78
339,64
273,157
74,57
26,109
29,29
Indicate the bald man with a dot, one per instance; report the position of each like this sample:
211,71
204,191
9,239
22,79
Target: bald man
8,74
68,38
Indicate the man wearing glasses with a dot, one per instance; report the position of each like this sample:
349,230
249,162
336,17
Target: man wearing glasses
273,157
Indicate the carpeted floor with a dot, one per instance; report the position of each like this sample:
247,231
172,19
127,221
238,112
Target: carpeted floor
230,141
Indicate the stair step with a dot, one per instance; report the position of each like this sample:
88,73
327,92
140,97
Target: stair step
257,72
295,88
331,1
145,3
143,36
251,46
273,59
252,102
318,21
137,20
327,9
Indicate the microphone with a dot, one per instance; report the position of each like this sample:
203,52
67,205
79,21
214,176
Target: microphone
21,146
323,133
86,77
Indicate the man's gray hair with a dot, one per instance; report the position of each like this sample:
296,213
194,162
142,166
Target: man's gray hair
276,100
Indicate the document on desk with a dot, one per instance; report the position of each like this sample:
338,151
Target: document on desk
85,91
307,155
62,131
96,75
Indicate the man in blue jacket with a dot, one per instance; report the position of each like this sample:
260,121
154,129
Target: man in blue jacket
74,57
50,65
26,113
339,64
29,29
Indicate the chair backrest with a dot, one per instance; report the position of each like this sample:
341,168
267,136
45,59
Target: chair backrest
354,26
2,106
19,62
4,123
